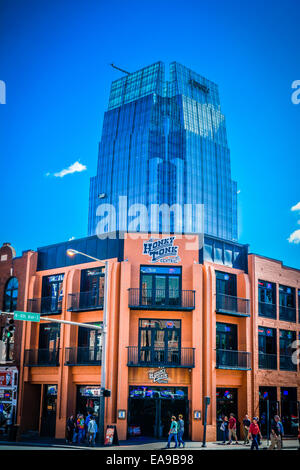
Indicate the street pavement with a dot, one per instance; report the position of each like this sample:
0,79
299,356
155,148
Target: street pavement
288,444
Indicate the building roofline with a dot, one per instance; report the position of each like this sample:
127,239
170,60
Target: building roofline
274,260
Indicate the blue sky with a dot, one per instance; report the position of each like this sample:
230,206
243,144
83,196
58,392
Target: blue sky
54,58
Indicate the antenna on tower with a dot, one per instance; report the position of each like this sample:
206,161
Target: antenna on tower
118,68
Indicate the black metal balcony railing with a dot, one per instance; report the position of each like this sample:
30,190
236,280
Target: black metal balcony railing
45,305
162,299
286,363
86,301
41,357
267,361
232,305
83,356
159,357
287,314
227,359
267,310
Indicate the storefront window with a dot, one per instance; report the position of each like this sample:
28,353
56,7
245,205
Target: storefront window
88,400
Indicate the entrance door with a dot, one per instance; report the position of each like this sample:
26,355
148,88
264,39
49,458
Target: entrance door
227,402
49,411
151,408
289,410
265,394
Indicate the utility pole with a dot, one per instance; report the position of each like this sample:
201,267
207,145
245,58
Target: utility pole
103,391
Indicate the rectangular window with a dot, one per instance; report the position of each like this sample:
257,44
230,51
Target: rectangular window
267,347
286,339
225,283
52,293
287,310
159,341
266,299
227,336
160,285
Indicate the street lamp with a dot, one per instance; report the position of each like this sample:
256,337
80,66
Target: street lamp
71,252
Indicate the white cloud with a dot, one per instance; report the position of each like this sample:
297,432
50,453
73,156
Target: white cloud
296,207
72,238
294,237
75,167
238,191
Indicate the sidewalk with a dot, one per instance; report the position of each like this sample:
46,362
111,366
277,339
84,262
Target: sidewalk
140,444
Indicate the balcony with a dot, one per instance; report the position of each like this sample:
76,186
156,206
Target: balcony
267,310
238,360
160,299
287,314
83,356
41,358
267,361
45,305
158,357
286,363
231,305
83,301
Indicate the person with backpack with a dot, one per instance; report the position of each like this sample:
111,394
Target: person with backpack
276,434
173,433
253,433
180,425
92,431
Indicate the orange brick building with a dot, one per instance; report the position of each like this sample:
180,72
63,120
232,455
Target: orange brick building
187,318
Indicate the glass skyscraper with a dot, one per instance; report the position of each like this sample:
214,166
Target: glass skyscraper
164,142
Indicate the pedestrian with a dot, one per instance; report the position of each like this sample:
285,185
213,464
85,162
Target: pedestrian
299,437
172,432
232,429
76,430
224,428
180,430
86,424
246,426
92,431
253,433
79,433
276,434
70,429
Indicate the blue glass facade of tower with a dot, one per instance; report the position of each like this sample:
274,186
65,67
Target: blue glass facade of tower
164,141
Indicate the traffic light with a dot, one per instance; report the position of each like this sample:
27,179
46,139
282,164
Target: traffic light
9,329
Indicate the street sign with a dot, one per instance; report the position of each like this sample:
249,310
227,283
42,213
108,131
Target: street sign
27,316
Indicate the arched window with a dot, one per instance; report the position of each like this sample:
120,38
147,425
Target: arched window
11,295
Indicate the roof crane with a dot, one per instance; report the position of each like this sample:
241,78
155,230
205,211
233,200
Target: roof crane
121,70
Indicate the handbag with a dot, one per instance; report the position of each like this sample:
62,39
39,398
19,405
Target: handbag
222,427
